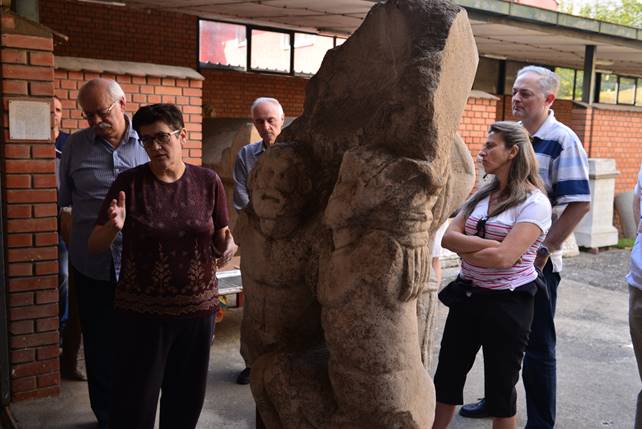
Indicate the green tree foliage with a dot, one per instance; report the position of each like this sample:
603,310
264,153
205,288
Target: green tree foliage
625,12
567,76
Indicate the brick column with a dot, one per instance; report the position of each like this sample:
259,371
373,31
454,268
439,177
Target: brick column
29,206
582,124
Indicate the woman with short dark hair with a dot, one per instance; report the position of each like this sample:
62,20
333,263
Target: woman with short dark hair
497,235
173,217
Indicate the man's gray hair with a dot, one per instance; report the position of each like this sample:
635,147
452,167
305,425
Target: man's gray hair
270,100
113,89
548,80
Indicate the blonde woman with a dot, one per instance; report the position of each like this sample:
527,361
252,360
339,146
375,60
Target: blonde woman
496,234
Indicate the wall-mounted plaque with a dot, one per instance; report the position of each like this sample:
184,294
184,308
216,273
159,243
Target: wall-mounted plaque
29,120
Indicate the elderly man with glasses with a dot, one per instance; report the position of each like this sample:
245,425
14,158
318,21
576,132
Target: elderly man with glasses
91,160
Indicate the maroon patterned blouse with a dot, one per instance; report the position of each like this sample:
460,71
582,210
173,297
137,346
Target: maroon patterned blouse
168,261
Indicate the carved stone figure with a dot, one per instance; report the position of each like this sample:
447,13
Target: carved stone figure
336,239
280,260
460,180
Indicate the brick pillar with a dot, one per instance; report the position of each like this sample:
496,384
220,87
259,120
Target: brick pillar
582,124
29,207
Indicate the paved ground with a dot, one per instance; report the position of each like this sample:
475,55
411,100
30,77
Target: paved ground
597,374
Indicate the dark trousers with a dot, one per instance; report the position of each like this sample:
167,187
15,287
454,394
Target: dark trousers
153,355
63,284
497,321
540,368
71,333
96,309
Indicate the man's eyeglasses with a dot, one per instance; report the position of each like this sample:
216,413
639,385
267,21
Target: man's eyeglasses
161,138
90,116
480,229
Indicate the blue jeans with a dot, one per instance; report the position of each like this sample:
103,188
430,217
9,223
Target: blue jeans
539,368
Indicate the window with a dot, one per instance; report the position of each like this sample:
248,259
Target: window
567,83
512,67
309,50
487,75
270,51
579,85
303,39
638,93
222,44
608,89
626,91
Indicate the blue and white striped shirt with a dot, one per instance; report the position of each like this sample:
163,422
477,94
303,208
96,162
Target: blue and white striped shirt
563,165
88,167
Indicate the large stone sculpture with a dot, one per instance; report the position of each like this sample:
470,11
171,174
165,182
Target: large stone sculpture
336,241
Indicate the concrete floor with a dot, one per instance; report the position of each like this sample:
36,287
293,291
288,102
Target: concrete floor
597,374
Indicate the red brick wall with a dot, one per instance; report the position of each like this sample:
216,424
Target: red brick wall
478,115
563,109
186,94
122,33
581,119
127,34
29,196
616,134
228,94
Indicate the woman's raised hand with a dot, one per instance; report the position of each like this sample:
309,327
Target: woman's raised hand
116,212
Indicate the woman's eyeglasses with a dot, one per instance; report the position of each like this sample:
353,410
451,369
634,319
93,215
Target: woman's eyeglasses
480,229
161,138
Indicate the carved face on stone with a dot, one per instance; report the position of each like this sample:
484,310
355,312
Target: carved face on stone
280,184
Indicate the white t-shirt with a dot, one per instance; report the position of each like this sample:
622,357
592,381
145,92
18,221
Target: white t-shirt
634,277
436,244
537,210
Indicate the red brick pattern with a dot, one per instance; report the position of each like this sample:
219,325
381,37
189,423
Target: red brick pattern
29,188
604,132
122,33
171,38
563,109
140,90
581,119
229,94
478,115
163,38
616,134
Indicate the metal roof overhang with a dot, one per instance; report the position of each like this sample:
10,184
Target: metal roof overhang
502,29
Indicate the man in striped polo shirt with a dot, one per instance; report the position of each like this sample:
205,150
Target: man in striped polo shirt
563,165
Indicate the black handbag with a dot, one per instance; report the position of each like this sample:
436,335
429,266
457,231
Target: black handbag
456,292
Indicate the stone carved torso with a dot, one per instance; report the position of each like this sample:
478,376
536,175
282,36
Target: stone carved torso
340,224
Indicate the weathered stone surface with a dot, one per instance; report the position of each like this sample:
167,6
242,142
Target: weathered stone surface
336,241
222,140
426,319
